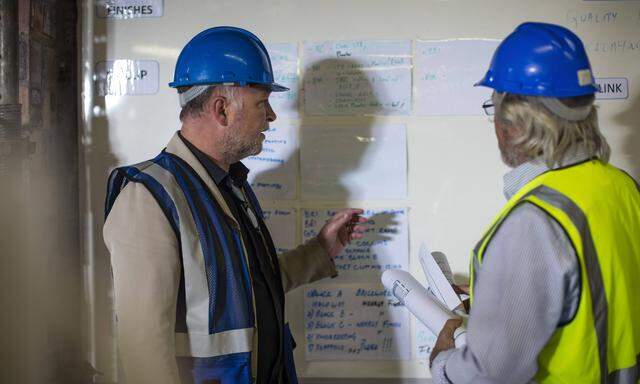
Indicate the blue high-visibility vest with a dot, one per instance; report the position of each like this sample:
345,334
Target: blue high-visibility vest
215,316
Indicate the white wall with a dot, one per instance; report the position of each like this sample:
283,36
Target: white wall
455,173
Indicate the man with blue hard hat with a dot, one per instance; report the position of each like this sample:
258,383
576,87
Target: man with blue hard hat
199,289
556,276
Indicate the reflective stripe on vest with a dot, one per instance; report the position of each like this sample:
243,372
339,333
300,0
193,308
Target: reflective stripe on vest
212,326
596,286
615,342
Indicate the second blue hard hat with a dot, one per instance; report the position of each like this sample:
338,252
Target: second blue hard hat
225,55
539,59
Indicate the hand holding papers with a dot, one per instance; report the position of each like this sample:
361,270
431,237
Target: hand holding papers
415,297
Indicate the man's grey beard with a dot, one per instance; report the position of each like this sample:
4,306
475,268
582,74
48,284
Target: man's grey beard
235,150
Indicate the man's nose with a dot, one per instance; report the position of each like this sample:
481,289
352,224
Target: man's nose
271,115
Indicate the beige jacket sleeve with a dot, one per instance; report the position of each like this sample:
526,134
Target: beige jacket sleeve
146,273
305,264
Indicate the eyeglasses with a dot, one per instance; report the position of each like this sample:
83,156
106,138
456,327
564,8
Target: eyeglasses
489,108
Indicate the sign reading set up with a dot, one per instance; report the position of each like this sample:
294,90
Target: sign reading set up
127,77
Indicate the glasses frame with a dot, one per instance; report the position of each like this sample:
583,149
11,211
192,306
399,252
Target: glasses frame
489,108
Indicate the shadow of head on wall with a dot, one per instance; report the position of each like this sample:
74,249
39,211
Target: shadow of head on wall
335,129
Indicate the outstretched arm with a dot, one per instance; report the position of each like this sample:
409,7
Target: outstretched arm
313,260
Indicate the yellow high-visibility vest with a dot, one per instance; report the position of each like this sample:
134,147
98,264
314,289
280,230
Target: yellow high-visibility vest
598,206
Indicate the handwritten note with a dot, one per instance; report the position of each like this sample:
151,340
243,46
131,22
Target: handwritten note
284,60
619,46
385,244
354,322
425,340
577,18
357,77
282,227
356,162
273,171
446,72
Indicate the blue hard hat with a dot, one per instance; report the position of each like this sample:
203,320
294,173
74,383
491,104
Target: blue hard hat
540,59
225,55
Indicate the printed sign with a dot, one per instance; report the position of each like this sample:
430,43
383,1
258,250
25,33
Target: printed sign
127,77
612,88
129,9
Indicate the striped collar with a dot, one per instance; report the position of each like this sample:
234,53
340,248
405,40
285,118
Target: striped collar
521,175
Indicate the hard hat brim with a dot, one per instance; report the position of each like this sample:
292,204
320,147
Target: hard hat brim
271,87
275,87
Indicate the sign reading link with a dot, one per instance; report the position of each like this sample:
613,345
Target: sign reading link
129,9
610,88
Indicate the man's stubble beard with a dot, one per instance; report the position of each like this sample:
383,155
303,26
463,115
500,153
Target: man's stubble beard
236,149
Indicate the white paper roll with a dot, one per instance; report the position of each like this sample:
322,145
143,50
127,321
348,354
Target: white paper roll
420,302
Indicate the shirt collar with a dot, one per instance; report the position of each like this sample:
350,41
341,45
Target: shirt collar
237,171
521,175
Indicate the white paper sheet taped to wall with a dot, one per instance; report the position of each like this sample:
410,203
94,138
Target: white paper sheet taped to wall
284,60
273,172
361,77
425,341
354,322
385,244
423,305
445,73
282,227
353,162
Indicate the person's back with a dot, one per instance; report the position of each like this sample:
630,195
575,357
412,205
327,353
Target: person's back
555,276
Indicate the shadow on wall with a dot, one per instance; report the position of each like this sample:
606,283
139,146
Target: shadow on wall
322,169
629,119
327,170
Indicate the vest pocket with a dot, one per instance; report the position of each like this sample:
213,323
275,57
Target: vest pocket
226,369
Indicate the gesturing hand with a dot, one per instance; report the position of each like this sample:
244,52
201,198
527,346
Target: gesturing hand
340,229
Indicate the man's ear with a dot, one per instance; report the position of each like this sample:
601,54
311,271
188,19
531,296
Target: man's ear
218,109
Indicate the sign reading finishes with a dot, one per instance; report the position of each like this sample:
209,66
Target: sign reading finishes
129,9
